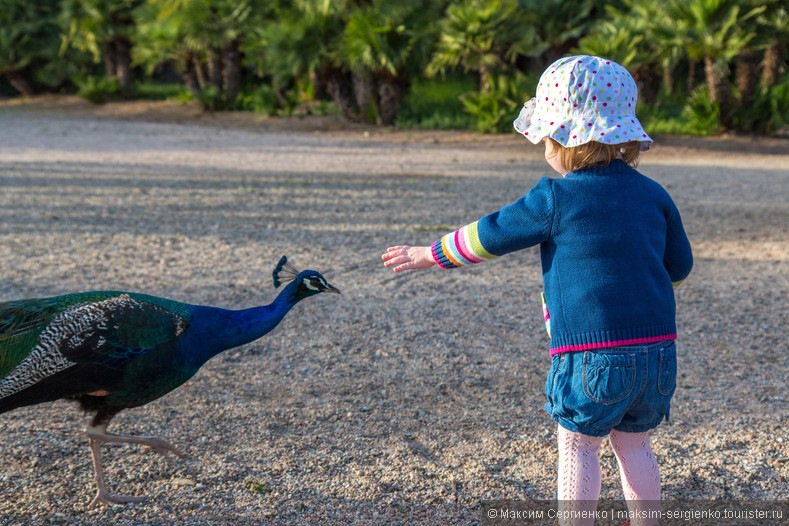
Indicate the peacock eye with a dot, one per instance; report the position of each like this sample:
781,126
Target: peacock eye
313,283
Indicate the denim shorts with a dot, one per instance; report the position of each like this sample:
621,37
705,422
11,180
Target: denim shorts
625,388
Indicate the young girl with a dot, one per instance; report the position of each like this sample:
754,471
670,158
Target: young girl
613,249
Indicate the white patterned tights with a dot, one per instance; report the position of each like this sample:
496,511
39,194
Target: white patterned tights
579,476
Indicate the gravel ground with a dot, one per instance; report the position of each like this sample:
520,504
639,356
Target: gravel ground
411,397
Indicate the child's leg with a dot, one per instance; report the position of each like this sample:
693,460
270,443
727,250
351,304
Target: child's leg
640,475
579,475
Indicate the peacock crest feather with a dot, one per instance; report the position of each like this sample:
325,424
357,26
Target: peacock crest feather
284,272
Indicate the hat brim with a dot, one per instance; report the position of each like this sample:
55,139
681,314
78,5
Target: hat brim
575,130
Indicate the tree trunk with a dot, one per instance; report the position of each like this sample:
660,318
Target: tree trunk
365,89
189,74
484,84
390,93
719,89
318,86
123,64
745,73
773,63
339,86
199,72
668,80
691,76
20,80
110,59
232,59
214,62
282,100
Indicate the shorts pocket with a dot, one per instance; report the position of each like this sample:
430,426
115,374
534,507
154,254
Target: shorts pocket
557,362
608,377
667,370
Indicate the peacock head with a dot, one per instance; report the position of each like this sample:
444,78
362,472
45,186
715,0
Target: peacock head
305,284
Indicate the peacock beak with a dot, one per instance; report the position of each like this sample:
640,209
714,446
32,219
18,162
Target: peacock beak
331,288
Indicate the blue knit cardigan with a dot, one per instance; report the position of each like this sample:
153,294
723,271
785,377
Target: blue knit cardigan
613,249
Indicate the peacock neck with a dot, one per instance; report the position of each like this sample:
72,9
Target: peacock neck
213,330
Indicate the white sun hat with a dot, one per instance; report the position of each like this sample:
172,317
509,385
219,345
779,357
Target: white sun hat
581,99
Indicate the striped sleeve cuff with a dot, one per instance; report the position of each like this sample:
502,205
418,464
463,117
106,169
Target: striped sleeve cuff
459,248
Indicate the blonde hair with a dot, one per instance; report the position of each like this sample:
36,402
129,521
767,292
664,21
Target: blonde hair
595,154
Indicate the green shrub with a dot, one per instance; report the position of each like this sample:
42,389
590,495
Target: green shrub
292,99
259,100
97,89
210,98
435,104
487,110
695,115
185,97
661,117
768,112
701,116
494,111
321,107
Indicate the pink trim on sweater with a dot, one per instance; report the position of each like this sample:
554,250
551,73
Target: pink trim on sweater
458,241
465,251
601,345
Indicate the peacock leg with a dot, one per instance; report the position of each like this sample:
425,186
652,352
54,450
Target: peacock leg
97,433
102,495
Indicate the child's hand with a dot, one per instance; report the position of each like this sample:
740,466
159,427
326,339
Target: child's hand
408,258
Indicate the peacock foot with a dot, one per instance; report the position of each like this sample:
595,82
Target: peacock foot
102,497
162,446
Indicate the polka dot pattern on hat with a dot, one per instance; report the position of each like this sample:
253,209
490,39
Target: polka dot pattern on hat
581,99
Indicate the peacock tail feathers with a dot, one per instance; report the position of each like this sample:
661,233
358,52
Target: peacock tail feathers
284,272
22,321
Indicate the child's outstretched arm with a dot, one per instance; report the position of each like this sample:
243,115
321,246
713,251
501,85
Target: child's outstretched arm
404,257
525,223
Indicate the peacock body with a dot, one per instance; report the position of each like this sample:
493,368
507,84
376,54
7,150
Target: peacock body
112,350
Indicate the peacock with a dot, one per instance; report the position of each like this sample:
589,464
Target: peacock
112,350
